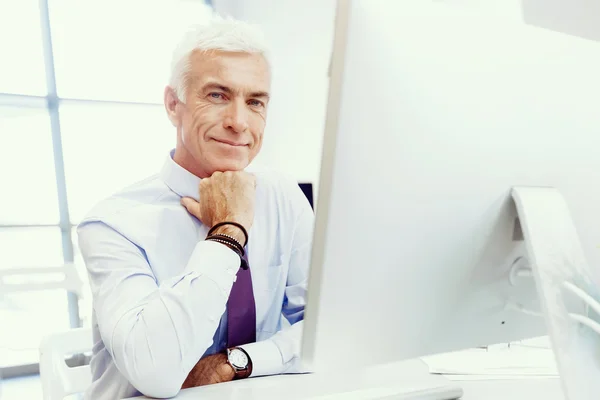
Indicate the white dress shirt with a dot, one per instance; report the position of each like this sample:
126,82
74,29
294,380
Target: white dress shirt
160,290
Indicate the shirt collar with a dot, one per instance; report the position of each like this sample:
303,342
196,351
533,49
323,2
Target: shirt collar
178,179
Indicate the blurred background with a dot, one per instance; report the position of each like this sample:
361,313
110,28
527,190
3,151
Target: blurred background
81,116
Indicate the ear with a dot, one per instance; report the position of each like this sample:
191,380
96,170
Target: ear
171,101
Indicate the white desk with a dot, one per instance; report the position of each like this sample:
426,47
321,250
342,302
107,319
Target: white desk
315,387
520,389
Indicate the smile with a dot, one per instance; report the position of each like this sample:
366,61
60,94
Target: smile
230,143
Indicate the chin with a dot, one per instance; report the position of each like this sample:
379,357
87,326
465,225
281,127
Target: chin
230,165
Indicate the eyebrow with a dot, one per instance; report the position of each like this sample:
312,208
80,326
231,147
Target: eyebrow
225,89
260,94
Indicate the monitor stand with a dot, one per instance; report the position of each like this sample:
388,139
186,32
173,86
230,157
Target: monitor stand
568,289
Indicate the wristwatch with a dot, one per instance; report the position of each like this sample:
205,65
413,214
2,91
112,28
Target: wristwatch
240,362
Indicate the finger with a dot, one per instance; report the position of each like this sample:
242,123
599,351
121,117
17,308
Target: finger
192,206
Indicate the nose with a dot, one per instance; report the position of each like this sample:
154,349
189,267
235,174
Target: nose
236,117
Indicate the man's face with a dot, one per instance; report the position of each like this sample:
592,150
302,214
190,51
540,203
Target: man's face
220,127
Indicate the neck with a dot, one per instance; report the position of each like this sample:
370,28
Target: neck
188,162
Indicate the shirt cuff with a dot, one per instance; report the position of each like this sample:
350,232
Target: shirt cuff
265,356
215,261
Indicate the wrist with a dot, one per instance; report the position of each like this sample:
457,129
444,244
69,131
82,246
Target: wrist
227,367
239,360
231,230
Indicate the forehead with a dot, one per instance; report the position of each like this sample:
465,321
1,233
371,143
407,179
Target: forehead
238,71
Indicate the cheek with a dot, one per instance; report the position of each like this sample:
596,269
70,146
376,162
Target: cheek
202,108
203,116
257,145
258,128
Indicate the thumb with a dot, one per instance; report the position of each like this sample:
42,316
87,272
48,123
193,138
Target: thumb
192,206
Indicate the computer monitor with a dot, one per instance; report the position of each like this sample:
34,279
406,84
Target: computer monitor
435,115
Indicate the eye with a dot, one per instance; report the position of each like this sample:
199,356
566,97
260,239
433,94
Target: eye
216,95
256,103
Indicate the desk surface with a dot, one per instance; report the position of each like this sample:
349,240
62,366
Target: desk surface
319,387
519,389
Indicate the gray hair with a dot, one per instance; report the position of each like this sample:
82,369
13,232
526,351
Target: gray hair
224,34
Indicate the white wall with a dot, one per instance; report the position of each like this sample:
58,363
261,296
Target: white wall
300,34
574,17
508,9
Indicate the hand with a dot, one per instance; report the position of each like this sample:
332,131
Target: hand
209,370
225,196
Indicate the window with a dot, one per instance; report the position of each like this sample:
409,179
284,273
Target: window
29,247
22,67
106,130
118,50
27,165
35,314
110,146
85,301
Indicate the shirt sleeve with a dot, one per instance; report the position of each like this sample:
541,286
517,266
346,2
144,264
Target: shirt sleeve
155,332
280,354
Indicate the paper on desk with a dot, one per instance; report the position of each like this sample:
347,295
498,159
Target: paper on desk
499,363
460,378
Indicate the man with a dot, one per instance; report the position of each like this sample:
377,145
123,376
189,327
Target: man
174,308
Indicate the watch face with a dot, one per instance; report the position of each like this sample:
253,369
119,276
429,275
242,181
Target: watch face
238,358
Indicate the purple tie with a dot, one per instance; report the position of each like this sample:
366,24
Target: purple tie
241,311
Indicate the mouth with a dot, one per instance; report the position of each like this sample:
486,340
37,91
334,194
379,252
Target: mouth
230,143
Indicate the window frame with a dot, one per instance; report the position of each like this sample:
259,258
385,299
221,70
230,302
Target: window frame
50,102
